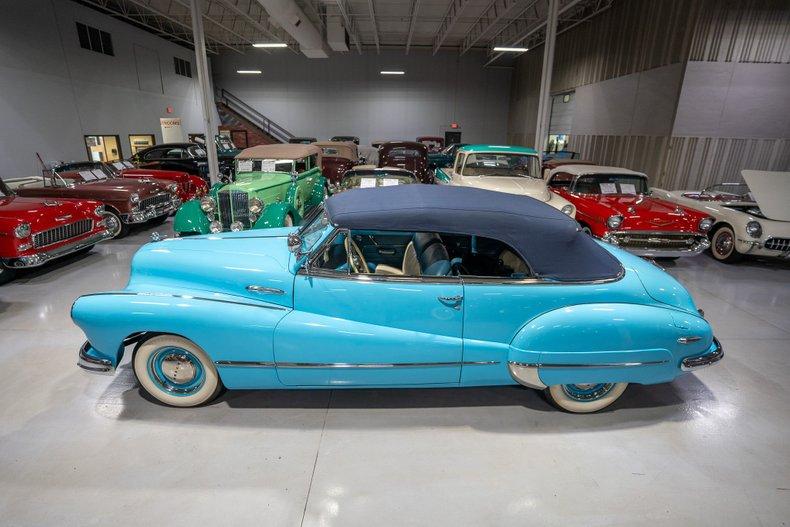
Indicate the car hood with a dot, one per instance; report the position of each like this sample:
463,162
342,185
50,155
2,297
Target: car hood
525,186
224,264
771,190
646,212
43,213
254,181
170,175
120,188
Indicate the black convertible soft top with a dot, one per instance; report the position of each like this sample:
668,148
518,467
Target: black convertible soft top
548,240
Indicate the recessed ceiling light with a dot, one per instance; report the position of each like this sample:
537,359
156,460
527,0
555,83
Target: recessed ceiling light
510,50
393,72
270,45
250,72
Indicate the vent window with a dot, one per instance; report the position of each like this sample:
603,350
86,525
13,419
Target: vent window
95,39
183,67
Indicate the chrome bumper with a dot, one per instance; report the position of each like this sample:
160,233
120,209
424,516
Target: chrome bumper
701,361
92,364
142,216
622,240
40,258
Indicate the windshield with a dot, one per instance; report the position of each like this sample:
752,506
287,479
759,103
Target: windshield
84,172
731,191
264,165
496,164
4,191
312,231
627,184
196,151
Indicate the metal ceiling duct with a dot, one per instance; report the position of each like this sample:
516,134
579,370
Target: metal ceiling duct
292,19
336,35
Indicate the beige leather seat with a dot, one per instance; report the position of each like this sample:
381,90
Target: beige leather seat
410,266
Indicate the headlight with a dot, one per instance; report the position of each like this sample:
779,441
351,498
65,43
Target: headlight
253,219
22,230
99,211
172,187
614,221
134,199
207,204
215,227
705,224
754,229
237,226
256,206
567,209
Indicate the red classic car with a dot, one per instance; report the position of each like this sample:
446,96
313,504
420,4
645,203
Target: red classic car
34,231
188,186
406,154
433,142
337,157
615,204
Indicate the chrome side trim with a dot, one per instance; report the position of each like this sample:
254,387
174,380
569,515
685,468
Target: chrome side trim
380,365
244,364
601,365
701,361
525,375
689,340
264,290
92,364
187,297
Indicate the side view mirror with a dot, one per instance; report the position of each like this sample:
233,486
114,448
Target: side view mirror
295,244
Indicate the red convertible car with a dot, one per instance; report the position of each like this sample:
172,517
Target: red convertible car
34,231
615,204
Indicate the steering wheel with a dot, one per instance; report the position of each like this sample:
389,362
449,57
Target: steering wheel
355,258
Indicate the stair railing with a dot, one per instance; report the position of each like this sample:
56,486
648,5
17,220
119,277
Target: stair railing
253,115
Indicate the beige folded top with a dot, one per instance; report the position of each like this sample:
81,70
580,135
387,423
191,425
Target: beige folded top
279,151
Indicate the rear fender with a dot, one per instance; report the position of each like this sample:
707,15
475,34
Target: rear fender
594,343
191,219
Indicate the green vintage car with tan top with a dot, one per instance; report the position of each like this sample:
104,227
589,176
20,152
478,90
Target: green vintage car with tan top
276,186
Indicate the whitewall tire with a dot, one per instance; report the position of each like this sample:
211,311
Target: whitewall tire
722,245
176,371
288,221
585,398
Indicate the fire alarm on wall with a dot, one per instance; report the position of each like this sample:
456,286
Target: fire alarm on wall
453,125
169,109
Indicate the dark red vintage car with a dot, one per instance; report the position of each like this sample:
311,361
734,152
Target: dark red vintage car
434,143
337,158
187,186
406,154
128,201
615,204
34,231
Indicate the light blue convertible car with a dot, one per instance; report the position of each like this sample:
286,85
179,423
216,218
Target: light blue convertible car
403,286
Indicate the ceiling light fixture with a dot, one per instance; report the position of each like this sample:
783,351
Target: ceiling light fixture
510,50
270,45
393,72
249,72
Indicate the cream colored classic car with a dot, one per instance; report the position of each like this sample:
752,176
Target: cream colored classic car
751,218
509,169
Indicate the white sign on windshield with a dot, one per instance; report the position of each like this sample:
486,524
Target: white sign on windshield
627,188
119,165
367,182
99,174
87,175
388,182
268,165
245,165
608,188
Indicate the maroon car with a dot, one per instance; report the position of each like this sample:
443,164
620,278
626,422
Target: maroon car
34,231
410,155
128,201
337,158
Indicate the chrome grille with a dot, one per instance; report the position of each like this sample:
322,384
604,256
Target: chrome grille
657,240
233,206
64,232
778,244
155,201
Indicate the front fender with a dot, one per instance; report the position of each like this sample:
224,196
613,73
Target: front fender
594,343
274,216
191,219
242,334
317,193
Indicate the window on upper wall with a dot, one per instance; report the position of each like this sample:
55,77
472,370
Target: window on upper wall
183,67
95,39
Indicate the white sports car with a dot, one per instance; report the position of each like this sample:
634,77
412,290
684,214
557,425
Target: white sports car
751,218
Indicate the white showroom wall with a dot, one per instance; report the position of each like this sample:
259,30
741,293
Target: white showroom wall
53,92
346,95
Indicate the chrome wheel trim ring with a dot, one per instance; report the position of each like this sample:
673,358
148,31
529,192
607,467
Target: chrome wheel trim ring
115,224
176,371
587,392
586,230
723,243
288,222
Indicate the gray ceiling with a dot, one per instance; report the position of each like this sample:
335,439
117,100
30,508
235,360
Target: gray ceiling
372,24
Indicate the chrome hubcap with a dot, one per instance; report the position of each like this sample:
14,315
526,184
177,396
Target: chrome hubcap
176,371
587,392
723,243
113,224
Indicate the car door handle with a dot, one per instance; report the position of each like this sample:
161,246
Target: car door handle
387,252
454,301
264,290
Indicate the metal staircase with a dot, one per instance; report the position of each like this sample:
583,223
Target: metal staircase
235,112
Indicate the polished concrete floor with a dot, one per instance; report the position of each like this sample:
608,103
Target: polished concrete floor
711,448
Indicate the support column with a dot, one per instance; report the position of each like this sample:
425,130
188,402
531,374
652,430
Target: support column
544,103
207,96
